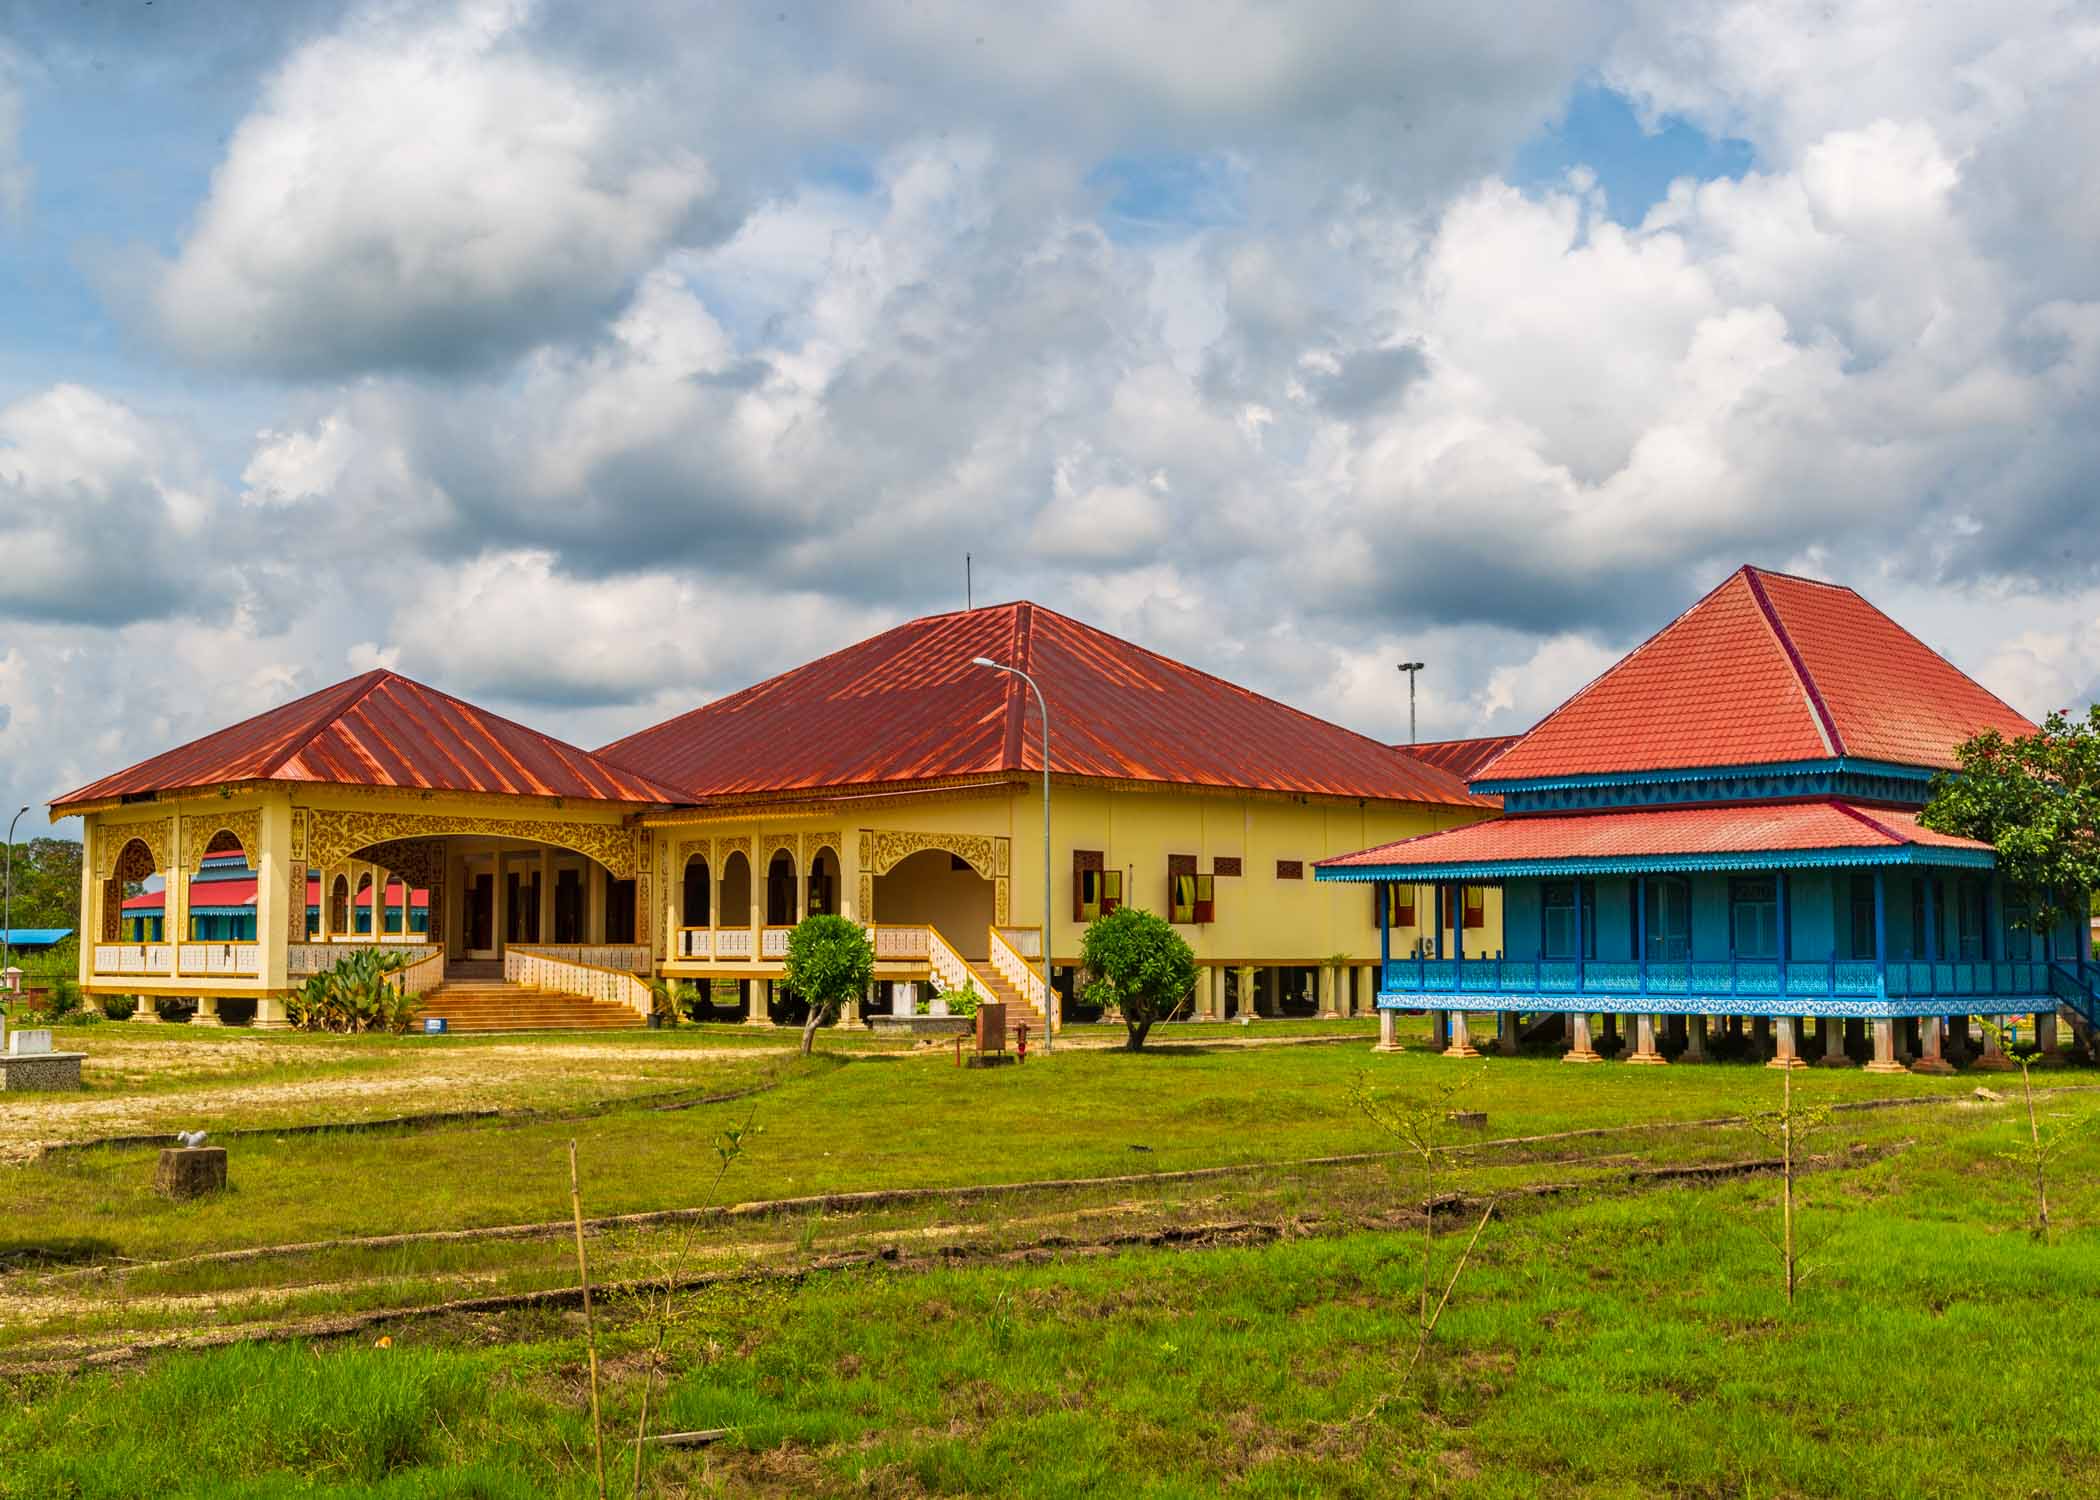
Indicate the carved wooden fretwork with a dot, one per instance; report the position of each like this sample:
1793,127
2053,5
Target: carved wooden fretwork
158,836
132,862
299,837
728,846
690,847
419,862
830,839
883,849
336,835
867,898
198,833
779,843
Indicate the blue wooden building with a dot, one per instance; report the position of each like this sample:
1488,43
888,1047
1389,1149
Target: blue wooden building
1724,825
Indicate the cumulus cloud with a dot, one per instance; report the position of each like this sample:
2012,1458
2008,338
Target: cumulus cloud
425,196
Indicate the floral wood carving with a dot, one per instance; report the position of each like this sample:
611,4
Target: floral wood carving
246,827
337,835
158,837
882,850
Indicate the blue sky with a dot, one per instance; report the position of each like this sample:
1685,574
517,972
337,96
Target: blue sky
592,361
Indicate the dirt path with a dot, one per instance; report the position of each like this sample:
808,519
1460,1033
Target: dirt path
439,1081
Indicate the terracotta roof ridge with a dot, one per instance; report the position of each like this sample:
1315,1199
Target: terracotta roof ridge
369,680
1021,656
1826,724
1874,823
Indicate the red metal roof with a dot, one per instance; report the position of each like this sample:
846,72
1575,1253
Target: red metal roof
205,893
1462,758
908,706
381,729
1767,668
1734,828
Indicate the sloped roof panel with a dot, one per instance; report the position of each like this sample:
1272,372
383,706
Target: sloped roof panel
908,705
381,730
1464,759
1735,828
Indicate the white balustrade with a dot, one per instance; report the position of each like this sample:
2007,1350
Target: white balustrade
1013,967
135,958
773,942
539,970
950,969
733,942
696,942
221,958
1026,941
632,958
425,973
901,944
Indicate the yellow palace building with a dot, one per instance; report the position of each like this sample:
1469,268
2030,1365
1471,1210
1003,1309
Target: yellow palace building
897,782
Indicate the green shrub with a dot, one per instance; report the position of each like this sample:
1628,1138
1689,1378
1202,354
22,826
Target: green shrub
354,996
829,961
119,1007
1137,964
964,1001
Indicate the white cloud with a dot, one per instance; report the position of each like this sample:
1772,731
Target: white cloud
426,195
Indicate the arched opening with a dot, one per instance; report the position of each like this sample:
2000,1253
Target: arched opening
339,905
780,890
699,894
736,891
222,893
943,891
824,883
361,910
134,900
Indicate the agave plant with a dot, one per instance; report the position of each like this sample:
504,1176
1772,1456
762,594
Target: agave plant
354,996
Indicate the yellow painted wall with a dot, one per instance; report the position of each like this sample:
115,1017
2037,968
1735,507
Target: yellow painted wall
957,903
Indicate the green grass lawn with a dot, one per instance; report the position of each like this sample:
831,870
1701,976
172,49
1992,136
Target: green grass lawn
1611,1338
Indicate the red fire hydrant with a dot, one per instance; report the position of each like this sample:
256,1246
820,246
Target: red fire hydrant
1021,1042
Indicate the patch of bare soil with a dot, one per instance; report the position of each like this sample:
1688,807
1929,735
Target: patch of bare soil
439,1081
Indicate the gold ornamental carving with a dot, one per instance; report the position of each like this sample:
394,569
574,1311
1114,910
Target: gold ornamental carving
1001,914
690,847
299,837
419,862
246,828
337,835
158,836
867,897
831,839
728,846
882,850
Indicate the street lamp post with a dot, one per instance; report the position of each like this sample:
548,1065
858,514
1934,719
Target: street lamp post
7,905
1410,668
1049,994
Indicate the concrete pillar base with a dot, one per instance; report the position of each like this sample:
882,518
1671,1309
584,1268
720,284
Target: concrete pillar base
1786,1062
1932,1065
1388,1036
1461,1036
146,1013
1990,1063
1878,1066
1579,1048
1645,1053
1647,1060
1694,1040
207,1014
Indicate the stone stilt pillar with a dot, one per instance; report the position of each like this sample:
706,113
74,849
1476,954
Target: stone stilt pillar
1579,1048
2045,1035
1644,1049
1388,1035
1329,1009
1506,1028
147,1012
1833,1029
1931,1034
1694,1039
1884,1048
269,1014
1461,1037
760,992
1786,1037
1994,1059
851,1018
1439,1030
207,1012
1214,993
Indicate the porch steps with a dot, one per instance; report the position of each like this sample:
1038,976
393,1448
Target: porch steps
1019,1011
485,1005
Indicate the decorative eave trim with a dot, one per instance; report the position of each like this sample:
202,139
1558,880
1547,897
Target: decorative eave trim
1665,864
1834,765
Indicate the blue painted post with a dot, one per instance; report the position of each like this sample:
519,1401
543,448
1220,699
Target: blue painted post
1385,930
1579,982
1458,937
1640,927
1784,931
1437,897
1881,936
1932,939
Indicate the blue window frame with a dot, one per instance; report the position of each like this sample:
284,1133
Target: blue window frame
1753,916
1557,919
1669,919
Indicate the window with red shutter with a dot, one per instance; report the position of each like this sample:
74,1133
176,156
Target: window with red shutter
1111,890
1476,906
1206,899
1086,884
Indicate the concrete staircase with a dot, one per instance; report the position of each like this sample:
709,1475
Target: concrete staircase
482,1005
1019,1011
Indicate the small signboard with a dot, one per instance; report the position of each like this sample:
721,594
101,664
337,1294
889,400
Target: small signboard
991,1026
433,1026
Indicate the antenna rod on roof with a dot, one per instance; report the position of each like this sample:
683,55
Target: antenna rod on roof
969,593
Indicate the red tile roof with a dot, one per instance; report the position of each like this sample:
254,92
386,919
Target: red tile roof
908,706
1462,758
380,730
1767,668
1735,828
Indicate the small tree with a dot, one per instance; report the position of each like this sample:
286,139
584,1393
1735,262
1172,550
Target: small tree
829,961
2036,799
2041,1149
1137,963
